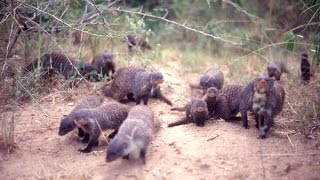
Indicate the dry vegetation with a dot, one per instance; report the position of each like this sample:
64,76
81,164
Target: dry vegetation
32,107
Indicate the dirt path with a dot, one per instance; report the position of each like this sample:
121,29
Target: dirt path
220,150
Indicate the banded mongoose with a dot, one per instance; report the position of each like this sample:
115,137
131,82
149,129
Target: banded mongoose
67,124
276,68
133,81
305,69
54,62
134,135
105,63
265,99
134,41
224,103
94,121
263,112
196,112
212,78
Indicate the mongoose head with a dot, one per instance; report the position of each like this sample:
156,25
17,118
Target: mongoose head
116,148
263,85
212,92
108,58
156,78
66,125
304,56
273,70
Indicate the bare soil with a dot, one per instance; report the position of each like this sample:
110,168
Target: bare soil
220,150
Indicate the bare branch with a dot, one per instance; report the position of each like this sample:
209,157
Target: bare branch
177,24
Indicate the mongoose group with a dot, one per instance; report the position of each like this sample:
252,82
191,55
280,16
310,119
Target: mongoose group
134,127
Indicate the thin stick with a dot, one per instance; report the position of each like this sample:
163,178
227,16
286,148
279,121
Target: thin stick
290,140
210,139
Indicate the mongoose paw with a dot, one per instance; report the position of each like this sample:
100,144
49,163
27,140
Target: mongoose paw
247,127
84,150
126,157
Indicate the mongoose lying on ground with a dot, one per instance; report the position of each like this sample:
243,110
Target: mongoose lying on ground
105,63
223,103
265,99
133,81
67,124
305,69
196,112
94,121
134,41
134,135
276,68
54,62
212,78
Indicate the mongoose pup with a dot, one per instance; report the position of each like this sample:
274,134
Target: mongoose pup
212,78
105,63
133,81
305,69
276,68
196,112
67,124
94,121
134,135
224,103
265,99
134,41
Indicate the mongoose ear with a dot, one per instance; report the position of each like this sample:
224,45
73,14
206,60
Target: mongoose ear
81,122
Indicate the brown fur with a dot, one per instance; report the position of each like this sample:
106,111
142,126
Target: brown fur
196,112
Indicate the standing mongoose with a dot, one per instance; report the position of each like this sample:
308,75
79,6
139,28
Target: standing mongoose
265,99
305,69
67,124
105,63
94,121
133,81
224,103
264,113
276,68
196,112
134,135
134,41
212,78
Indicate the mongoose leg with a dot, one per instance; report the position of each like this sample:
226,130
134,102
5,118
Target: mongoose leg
138,100
145,100
126,157
113,134
93,140
143,156
130,97
244,116
86,138
81,132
